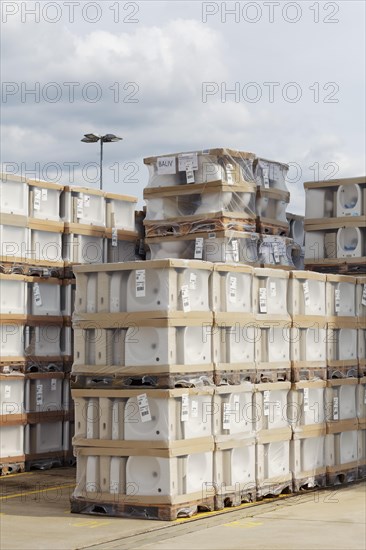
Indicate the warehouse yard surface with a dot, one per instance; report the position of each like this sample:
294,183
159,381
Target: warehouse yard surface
35,515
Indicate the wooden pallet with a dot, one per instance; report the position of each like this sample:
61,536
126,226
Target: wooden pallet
312,483
31,365
271,228
224,377
162,512
342,476
361,369
11,466
307,373
341,266
275,375
229,499
162,381
6,367
187,227
334,373
274,489
26,267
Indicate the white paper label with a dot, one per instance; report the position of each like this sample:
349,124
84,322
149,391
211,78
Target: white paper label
194,409
266,402
144,408
189,174
87,201
263,300
37,295
166,165
37,199
53,384
79,208
265,172
114,236
229,174
185,298
7,392
192,281
305,287
226,416
363,299
337,299
187,159
44,195
272,289
276,254
232,289
235,246
335,408
140,283
39,394
184,415
306,399
198,248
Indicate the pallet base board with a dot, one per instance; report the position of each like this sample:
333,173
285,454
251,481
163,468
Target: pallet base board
162,512
303,483
12,465
299,374
334,373
232,498
163,381
274,487
342,476
233,378
273,376
281,229
206,223
341,266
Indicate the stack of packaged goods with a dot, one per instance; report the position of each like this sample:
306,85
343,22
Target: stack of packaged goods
35,342
201,205
343,382
297,234
148,451
335,237
272,199
273,381
307,305
44,229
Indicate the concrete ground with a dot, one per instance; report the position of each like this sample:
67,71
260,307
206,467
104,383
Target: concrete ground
35,515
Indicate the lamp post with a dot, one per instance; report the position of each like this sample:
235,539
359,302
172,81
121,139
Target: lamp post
94,138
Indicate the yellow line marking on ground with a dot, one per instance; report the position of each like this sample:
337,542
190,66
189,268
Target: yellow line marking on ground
229,509
17,495
243,525
91,524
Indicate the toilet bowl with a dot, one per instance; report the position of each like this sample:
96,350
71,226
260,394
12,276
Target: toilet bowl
349,200
350,242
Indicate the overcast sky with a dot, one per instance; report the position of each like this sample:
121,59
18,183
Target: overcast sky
160,74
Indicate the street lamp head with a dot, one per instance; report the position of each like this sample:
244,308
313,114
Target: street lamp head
110,138
91,138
